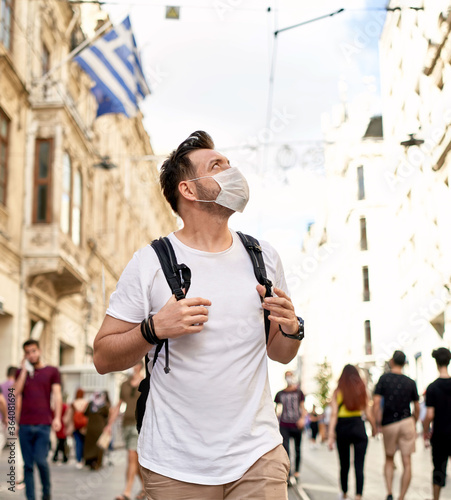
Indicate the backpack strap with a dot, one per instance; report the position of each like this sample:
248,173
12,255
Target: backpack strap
178,277
254,250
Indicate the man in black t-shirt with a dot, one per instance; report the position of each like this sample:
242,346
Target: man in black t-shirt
438,411
397,423
292,418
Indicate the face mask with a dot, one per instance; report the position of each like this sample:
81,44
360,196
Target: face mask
234,192
291,380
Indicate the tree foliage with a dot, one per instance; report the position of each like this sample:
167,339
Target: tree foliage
323,378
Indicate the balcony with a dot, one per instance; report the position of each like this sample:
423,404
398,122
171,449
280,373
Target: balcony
50,253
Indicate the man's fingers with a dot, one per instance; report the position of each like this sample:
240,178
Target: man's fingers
280,293
197,310
278,305
198,319
196,301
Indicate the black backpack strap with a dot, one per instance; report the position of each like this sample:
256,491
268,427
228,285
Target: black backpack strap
177,275
254,249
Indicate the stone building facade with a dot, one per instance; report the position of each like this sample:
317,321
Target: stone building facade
69,223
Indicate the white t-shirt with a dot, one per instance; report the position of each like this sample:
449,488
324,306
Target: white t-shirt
212,416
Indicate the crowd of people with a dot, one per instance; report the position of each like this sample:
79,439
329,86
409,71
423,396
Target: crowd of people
41,409
387,411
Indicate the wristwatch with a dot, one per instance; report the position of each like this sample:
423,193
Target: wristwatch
299,335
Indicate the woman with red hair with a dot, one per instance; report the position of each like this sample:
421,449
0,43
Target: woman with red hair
80,421
349,402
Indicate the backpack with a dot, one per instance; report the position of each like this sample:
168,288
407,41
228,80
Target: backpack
178,277
80,420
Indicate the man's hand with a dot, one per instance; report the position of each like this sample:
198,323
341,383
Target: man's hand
56,424
281,310
301,423
181,317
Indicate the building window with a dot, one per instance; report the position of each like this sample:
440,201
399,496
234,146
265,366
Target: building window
76,208
6,25
4,138
42,181
366,284
45,61
66,194
361,183
368,344
363,240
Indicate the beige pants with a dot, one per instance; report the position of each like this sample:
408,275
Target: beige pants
265,480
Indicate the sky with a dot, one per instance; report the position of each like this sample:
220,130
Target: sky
211,70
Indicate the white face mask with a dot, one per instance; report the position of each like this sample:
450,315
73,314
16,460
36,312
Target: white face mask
234,192
291,380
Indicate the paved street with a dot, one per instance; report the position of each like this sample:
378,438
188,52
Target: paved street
320,480
319,477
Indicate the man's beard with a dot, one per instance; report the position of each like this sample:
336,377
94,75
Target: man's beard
213,208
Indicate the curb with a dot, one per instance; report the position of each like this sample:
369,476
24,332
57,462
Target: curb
298,489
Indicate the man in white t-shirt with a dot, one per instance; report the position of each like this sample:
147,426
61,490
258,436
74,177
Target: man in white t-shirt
209,430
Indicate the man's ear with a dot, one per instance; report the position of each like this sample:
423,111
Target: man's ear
186,190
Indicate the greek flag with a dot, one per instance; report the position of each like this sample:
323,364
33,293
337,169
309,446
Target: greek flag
113,63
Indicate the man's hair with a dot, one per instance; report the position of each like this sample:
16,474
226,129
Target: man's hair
178,166
30,342
11,371
442,356
399,358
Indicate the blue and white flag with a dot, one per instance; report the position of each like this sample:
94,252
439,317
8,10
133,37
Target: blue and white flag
113,63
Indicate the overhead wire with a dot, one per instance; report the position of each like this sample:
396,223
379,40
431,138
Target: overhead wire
273,58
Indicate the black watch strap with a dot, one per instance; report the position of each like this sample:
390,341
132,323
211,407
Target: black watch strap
299,335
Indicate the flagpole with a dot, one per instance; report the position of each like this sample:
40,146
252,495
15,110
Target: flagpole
75,51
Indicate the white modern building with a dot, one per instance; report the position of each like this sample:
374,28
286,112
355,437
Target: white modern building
416,95
348,299
380,256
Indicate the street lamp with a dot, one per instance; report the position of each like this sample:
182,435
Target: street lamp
105,163
412,141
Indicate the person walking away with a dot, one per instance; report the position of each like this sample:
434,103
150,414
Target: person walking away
6,388
61,436
209,429
314,426
97,413
129,396
326,420
292,418
37,384
398,426
79,422
346,427
438,412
